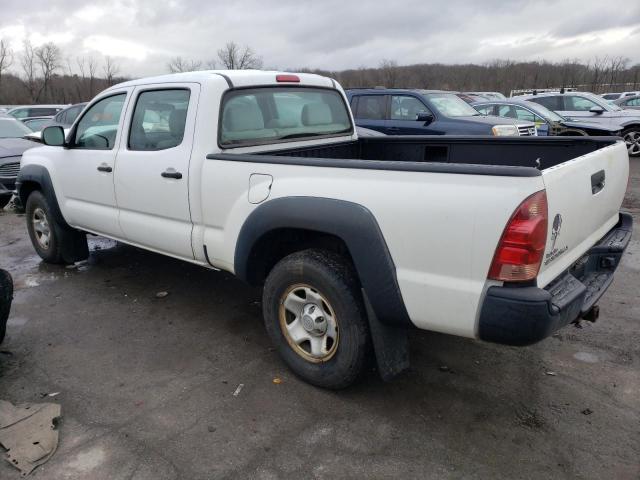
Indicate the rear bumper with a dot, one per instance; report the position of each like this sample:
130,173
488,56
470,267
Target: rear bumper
522,316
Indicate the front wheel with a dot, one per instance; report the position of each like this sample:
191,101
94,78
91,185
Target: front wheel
314,315
632,139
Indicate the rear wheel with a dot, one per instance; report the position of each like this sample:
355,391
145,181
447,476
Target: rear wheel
314,315
632,139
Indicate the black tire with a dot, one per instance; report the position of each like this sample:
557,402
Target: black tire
331,276
631,137
61,239
6,295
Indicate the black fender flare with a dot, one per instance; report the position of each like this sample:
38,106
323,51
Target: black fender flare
354,224
39,175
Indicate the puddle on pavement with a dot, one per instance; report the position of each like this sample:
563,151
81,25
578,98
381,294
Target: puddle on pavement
100,243
586,357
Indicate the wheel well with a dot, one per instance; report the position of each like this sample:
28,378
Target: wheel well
26,188
634,126
276,244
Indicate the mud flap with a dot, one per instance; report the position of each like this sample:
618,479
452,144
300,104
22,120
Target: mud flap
73,244
390,343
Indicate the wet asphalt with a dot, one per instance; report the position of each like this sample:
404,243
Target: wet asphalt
182,387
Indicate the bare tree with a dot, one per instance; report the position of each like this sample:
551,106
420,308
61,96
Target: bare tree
235,57
388,72
111,69
48,57
179,65
28,64
6,59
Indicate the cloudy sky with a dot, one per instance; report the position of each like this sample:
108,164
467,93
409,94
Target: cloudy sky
142,35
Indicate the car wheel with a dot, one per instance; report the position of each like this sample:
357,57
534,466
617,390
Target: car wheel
6,295
44,232
632,139
314,315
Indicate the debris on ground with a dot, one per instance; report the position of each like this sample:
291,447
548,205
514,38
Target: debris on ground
550,373
211,428
162,294
29,433
238,390
587,411
277,380
443,368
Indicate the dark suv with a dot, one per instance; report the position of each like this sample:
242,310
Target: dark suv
427,112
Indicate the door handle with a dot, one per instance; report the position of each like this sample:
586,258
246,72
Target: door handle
171,173
103,167
597,182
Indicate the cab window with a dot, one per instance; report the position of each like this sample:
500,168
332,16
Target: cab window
371,107
404,107
159,120
98,127
579,104
484,109
553,103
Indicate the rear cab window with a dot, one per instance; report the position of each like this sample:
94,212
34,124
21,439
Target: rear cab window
264,115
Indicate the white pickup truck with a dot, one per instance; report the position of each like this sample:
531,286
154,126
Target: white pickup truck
354,240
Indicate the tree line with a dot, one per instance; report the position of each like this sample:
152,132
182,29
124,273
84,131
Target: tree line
44,75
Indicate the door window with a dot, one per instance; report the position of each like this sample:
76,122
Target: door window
159,120
524,114
634,102
98,127
71,114
371,107
485,109
506,111
579,104
404,107
553,103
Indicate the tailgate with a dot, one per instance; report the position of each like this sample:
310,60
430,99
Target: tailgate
584,197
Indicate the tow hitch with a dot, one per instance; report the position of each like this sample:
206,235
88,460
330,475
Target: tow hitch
592,314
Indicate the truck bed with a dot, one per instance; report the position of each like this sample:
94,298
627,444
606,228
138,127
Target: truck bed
529,153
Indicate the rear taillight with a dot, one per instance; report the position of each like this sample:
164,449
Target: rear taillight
519,253
287,78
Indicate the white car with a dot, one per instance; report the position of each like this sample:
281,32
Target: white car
354,240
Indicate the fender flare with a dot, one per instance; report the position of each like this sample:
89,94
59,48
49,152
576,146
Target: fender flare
40,175
354,224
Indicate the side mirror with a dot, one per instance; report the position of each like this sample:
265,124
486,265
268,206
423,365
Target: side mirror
424,117
598,110
53,136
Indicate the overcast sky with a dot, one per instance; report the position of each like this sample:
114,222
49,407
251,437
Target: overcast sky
142,35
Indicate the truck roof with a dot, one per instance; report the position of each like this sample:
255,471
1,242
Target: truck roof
235,78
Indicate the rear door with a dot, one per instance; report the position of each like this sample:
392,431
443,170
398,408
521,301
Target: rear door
584,197
370,111
152,168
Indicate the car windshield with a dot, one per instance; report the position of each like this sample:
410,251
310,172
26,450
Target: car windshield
268,115
451,105
10,128
611,107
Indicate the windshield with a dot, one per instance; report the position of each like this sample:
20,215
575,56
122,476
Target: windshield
451,105
611,107
10,128
274,114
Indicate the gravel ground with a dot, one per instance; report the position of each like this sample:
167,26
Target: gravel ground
147,384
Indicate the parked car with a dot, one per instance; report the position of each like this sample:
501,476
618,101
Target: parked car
354,240
631,103
584,105
612,97
66,117
6,296
471,97
489,95
426,112
30,111
35,124
12,146
546,121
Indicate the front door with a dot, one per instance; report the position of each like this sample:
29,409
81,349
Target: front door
403,117
88,197
151,181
